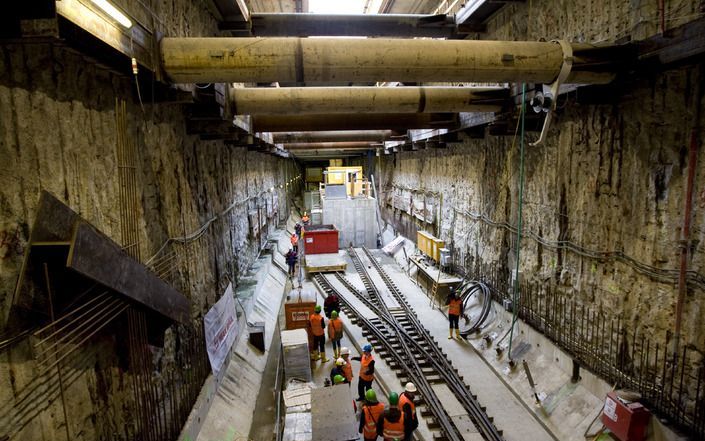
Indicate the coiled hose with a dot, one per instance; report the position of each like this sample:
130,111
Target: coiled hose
468,291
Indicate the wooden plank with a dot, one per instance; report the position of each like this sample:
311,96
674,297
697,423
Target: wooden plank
97,257
332,414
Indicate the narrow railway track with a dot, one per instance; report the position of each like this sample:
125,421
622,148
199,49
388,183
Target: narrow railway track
408,348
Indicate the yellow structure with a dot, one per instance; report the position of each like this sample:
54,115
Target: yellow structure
429,244
351,177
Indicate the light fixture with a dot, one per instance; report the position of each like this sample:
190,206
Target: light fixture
113,12
541,102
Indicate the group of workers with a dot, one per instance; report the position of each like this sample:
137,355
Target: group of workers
292,256
398,420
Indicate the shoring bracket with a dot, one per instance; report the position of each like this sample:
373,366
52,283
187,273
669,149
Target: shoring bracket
555,86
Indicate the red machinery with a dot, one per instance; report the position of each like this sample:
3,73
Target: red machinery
320,239
626,420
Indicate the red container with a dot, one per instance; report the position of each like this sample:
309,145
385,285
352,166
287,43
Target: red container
320,239
627,421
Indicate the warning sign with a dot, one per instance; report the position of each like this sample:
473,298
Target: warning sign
610,409
299,316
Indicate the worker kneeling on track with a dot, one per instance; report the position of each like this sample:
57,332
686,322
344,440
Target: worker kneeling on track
391,424
367,371
408,408
369,416
338,370
317,324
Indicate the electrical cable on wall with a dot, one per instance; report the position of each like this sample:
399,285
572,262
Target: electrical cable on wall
515,287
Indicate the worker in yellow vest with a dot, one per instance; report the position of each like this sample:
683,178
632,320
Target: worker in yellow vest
391,423
455,307
369,416
335,333
367,371
408,408
317,325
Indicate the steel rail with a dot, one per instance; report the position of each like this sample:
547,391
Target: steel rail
414,371
482,421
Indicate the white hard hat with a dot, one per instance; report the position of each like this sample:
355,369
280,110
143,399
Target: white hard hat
340,362
410,387
344,351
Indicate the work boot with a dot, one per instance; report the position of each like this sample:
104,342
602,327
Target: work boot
450,333
323,358
315,356
457,334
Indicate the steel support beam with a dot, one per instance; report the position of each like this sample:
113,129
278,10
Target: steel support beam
238,60
335,136
312,123
354,145
348,25
330,100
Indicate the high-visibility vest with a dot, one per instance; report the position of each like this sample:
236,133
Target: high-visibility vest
372,413
347,371
393,431
315,321
364,364
294,239
404,399
335,328
454,307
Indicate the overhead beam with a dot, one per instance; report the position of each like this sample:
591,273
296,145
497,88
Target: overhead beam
395,121
330,100
349,25
356,145
238,60
334,136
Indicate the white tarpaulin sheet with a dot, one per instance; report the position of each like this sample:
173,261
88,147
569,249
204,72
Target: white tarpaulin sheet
221,329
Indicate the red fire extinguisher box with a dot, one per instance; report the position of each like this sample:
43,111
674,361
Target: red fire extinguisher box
320,239
626,420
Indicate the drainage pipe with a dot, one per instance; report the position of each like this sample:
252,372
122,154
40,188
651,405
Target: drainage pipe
317,100
334,136
377,121
243,60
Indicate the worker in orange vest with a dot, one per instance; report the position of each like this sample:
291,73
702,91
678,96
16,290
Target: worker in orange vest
455,307
391,423
347,367
317,324
367,371
408,408
335,332
294,242
338,370
369,416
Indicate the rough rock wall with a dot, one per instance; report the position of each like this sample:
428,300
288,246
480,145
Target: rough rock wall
58,133
608,178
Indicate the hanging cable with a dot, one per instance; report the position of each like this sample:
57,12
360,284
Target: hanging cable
515,287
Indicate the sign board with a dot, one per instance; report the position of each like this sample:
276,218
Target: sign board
610,409
221,329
